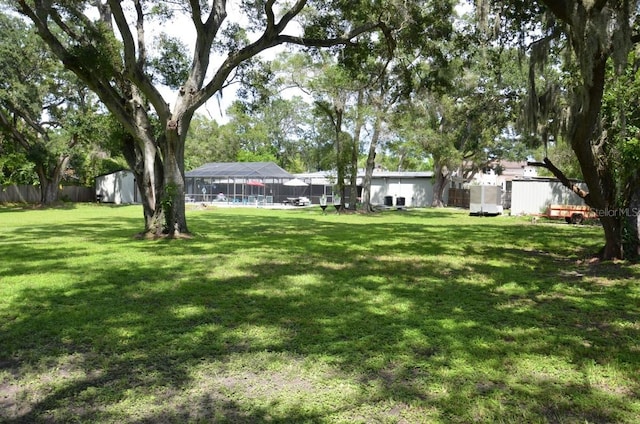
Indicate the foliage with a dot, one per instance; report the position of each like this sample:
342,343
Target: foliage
318,146
561,154
107,45
171,65
47,117
295,316
582,40
270,126
15,168
469,125
209,142
621,117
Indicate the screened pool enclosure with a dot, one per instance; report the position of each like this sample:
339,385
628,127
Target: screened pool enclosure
247,183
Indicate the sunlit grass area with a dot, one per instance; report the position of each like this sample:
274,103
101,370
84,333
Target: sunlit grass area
420,316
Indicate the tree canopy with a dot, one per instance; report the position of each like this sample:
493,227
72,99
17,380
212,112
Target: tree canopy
47,116
108,45
586,39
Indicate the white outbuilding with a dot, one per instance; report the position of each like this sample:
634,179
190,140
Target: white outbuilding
388,188
117,187
532,196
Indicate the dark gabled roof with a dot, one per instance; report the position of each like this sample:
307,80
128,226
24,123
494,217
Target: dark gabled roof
239,170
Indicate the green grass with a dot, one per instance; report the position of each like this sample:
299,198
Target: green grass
425,316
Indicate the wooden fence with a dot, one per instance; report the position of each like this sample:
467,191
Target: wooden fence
459,197
31,194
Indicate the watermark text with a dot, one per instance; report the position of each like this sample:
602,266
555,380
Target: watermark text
618,212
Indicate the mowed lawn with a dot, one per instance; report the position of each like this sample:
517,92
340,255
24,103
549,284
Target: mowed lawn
422,316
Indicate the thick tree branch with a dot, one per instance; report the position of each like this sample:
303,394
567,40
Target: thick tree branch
196,13
600,4
128,42
134,64
217,16
329,42
206,33
142,45
27,118
560,8
10,130
271,18
291,13
547,164
106,92
76,36
265,42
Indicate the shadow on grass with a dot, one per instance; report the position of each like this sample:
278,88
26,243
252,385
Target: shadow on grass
423,317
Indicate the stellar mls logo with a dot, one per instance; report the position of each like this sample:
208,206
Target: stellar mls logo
628,212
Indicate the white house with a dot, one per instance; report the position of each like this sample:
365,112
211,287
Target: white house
411,189
503,172
118,187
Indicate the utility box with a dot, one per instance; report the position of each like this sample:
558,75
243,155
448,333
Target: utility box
485,200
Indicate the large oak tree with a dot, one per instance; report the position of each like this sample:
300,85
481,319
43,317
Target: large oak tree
585,38
108,44
598,34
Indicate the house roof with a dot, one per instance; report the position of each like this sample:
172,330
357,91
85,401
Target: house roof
113,172
329,177
400,174
510,168
376,174
545,179
239,170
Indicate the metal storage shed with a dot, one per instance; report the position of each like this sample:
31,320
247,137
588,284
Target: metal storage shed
238,183
532,196
118,187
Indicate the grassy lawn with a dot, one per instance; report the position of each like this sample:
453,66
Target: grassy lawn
426,316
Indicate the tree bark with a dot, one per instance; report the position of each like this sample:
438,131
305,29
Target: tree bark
340,152
49,191
128,91
442,177
632,216
371,163
595,170
355,149
50,179
611,222
174,184
145,165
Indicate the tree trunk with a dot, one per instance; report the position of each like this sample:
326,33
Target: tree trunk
371,163
174,186
355,149
144,161
439,186
597,173
632,215
49,192
340,160
613,247
353,180
50,180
